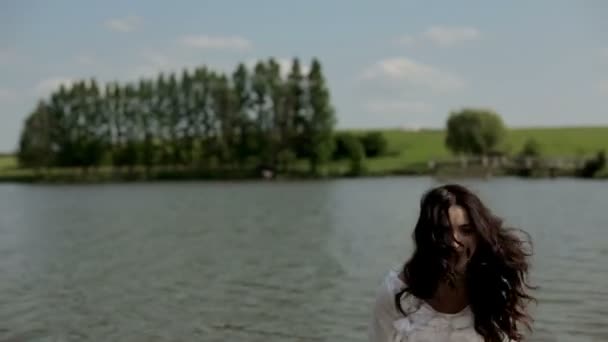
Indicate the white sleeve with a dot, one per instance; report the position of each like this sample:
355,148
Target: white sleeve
384,313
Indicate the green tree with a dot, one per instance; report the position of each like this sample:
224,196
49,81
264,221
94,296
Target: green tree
35,147
374,144
174,117
340,145
356,154
257,118
288,98
93,142
116,102
88,144
62,132
264,122
128,149
594,165
531,148
243,146
224,101
188,118
204,114
147,121
474,132
320,118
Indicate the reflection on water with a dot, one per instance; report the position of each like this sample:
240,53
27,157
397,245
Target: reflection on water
292,261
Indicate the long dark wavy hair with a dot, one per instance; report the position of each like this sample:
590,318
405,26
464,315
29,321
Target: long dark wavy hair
496,276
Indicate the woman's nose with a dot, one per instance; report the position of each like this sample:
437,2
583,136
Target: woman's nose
456,241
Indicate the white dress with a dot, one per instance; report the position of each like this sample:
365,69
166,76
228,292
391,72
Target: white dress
421,324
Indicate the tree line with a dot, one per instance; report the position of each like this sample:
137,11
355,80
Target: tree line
248,119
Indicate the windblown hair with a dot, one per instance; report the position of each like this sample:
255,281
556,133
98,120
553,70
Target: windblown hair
496,276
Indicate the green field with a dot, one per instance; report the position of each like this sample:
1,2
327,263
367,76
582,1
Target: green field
407,148
7,162
410,151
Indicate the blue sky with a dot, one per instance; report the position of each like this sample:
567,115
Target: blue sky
388,64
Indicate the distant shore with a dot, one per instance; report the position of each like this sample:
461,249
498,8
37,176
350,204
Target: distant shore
108,175
410,153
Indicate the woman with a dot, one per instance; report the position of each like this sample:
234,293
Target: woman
466,280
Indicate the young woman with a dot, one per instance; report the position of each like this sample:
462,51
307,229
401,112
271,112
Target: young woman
466,280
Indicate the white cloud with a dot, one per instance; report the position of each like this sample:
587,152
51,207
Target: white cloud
126,24
7,95
46,86
398,106
404,71
215,42
448,36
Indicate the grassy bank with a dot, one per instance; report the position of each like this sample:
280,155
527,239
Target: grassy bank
7,161
408,153
415,147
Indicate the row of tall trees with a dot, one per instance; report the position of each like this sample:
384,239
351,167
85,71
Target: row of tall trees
251,118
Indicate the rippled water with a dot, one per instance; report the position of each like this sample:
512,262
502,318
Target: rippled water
295,261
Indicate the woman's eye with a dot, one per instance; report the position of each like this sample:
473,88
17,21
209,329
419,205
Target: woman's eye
467,231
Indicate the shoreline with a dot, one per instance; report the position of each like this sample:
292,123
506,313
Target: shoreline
74,176
564,151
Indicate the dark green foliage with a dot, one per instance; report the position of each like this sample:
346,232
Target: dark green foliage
474,132
197,119
349,147
593,166
374,144
356,155
340,143
531,148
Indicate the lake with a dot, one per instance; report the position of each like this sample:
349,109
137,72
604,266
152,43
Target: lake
275,261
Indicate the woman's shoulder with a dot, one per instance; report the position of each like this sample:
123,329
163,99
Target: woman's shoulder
394,281
391,285
385,312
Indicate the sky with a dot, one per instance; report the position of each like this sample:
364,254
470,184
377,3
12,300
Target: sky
388,63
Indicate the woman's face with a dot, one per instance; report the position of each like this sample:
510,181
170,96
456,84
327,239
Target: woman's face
464,236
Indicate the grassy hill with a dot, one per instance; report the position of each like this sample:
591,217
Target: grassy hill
410,150
566,141
408,147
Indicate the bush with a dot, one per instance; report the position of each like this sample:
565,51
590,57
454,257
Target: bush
348,146
374,144
341,149
356,154
531,148
593,166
